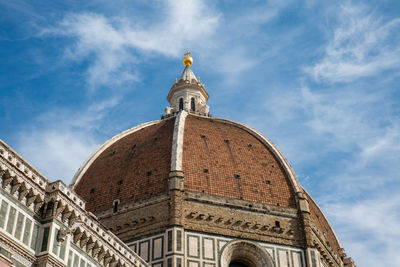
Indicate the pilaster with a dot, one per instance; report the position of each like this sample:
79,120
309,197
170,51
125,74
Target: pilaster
176,197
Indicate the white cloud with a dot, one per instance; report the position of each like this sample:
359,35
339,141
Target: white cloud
186,23
349,121
60,140
232,64
115,46
57,152
114,42
363,44
339,114
370,227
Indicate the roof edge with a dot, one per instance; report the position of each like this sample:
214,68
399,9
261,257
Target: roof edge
78,175
177,141
20,158
330,227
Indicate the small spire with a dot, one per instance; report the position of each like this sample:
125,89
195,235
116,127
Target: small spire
187,60
188,74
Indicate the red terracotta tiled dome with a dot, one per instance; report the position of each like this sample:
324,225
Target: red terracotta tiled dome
216,157
219,157
226,160
134,166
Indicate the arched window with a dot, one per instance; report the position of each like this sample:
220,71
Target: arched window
180,103
115,205
192,105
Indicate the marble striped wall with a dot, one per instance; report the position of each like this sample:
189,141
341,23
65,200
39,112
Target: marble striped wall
179,248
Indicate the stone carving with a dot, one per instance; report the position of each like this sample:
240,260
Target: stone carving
237,223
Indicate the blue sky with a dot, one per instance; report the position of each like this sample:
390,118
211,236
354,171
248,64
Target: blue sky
319,78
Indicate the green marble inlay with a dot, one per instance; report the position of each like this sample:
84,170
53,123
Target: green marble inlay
34,236
76,260
20,225
62,249
11,219
5,253
27,231
3,213
161,248
55,243
17,263
70,255
141,254
189,245
313,260
179,240
300,257
212,248
45,239
169,241
287,257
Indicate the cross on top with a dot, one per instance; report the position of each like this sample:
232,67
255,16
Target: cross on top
187,53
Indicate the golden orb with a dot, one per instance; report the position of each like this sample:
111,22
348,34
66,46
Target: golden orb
187,60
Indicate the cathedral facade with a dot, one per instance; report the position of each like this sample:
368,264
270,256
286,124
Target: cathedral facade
189,190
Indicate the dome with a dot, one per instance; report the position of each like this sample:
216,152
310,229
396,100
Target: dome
205,174
219,157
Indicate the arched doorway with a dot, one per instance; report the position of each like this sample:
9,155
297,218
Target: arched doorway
244,254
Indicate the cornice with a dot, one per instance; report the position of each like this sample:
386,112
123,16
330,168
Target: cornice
40,196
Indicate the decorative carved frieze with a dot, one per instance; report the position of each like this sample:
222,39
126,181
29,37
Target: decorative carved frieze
238,223
235,223
24,191
327,253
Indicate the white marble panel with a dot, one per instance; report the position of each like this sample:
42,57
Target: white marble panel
157,248
208,248
144,251
193,246
296,256
283,258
